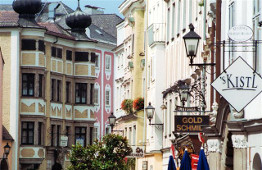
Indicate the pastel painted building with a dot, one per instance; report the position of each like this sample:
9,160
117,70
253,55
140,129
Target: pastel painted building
58,73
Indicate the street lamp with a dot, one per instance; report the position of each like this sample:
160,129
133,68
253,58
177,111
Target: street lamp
6,151
150,110
183,91
191,40
112,120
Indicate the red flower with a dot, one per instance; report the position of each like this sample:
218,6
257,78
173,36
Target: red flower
138,103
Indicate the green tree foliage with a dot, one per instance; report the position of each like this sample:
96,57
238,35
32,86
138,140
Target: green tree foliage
108,154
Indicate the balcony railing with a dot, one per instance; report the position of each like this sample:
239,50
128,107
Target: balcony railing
156,33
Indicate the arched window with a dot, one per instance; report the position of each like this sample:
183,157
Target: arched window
257,162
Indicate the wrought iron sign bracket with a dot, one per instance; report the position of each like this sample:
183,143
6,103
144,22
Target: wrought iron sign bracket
203,64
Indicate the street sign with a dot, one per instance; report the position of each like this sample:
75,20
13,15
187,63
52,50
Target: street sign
190,124
186,109
239,84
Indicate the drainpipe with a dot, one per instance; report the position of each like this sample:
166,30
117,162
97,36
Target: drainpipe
204,21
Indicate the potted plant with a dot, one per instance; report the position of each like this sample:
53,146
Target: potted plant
126,105
138,104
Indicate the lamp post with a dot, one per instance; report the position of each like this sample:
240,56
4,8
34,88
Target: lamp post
191,40
150,110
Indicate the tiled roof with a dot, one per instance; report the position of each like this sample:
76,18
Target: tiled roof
107,22
53,29
6,135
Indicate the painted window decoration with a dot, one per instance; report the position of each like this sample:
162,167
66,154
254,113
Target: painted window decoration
80,136
27,133
28,80
107,98
80,93
108,62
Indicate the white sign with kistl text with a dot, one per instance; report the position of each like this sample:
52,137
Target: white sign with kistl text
239,84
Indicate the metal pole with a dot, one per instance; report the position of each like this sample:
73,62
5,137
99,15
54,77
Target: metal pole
203,87
218,39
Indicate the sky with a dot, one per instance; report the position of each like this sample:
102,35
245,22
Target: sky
110,6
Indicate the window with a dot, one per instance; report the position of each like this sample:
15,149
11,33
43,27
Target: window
107,97
52,134
40,85
173,19
39,133
108,62
41,46
91,93
27,133
80,135
257,33
28,80
95,133
69,55
81,56
58,90
130,135
184,14
56,52
53,52
168,24
53,90
68,92
93,57
134,135
178,17
96,96
190,11
91,135
28,44
80,93
96,61
58,135
68,133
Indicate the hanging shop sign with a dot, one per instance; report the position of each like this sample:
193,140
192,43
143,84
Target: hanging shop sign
186,109
190,124
240,33
63,140
239,84
138,153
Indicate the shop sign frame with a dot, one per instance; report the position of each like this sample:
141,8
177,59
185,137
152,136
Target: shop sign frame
190,123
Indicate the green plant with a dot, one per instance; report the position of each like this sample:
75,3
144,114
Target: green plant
138,103
105,155
127,105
